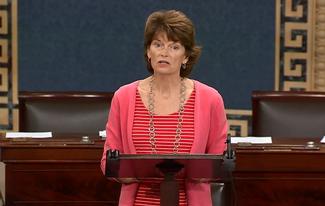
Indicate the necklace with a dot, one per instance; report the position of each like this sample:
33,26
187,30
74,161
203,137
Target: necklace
151,106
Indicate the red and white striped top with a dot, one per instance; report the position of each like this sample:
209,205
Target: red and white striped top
165,129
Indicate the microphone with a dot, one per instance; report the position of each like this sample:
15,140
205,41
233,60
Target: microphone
229,152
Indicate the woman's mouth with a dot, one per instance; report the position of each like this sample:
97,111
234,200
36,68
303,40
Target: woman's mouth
163,62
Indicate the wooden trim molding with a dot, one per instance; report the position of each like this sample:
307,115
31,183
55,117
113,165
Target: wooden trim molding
8,66
294,45
319,46
239,122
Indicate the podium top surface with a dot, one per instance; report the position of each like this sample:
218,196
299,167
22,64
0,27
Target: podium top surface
149,166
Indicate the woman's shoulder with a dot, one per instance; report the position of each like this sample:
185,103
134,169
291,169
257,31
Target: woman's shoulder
126,91
206,90
210,95
127,88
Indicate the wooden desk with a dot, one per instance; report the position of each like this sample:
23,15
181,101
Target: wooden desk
64,171
58,171
282,174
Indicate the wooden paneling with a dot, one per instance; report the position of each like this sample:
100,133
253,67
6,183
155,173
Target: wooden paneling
56,172
287,174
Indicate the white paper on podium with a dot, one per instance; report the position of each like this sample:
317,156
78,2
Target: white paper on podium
322,140
28,134
253,140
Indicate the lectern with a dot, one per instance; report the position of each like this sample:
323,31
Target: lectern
166,166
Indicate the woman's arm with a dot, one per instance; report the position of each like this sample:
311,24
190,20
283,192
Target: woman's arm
218,127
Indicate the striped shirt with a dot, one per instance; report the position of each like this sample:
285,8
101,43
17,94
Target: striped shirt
165,130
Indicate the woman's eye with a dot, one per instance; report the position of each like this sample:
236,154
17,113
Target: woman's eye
175,47
157,44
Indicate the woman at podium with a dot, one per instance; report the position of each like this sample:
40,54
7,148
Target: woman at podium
167,112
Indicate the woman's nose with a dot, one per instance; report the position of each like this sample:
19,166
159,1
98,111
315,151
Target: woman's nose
164,54
164,51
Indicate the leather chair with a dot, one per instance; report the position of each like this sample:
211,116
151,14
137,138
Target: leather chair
288,113
64,112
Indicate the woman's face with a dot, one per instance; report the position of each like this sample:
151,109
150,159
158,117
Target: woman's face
166,56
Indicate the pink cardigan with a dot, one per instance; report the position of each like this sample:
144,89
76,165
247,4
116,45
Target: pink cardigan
210,129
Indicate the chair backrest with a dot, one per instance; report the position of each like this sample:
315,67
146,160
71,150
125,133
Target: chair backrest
64,112
288,114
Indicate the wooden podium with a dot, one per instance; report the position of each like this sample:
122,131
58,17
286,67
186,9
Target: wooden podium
167,166
286,173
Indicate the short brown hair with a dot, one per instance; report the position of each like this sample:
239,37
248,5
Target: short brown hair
178,27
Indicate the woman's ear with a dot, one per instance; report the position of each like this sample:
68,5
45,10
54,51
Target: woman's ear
185,60
148,53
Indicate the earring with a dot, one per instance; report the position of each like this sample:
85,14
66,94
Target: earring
184,66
